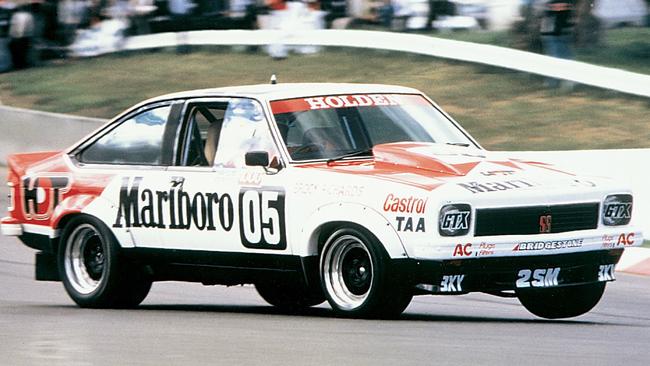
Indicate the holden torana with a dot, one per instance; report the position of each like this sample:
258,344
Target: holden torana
361,195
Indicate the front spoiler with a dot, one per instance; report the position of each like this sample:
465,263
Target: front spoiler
495,275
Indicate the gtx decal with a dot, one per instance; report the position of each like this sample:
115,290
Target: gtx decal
455,220
173,209
42,194
618,211
476,187
261,218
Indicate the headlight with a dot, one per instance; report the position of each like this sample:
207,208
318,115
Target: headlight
617,210
455,219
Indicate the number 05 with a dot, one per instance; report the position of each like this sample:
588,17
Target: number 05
262,219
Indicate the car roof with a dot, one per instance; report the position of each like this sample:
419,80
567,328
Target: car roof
287,91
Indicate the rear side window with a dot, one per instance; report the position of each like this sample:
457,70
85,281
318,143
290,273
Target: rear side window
136,141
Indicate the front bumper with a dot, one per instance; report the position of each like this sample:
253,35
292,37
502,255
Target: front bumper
496,275
526,245
10,227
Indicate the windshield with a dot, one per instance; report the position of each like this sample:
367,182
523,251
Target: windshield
330,126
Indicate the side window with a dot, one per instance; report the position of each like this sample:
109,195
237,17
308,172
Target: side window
202,135
244,129
136,141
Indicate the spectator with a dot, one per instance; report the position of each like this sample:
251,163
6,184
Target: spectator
180,11
386,13
21,34
556,28
401,13
6,8
140,12
70,13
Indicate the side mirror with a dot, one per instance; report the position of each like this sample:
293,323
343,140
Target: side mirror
257,158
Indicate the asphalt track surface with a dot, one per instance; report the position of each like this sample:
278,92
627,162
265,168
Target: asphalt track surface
189,324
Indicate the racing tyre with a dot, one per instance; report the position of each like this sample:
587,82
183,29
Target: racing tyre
289,296
358,278
92,270
563,302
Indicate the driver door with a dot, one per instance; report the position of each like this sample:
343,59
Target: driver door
224,205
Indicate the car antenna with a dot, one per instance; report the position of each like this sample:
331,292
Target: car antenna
274,79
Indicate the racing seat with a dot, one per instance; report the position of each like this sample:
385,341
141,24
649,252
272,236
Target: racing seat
211,141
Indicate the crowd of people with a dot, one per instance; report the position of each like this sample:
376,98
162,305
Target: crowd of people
32,30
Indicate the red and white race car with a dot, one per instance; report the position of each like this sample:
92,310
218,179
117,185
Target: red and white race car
364,195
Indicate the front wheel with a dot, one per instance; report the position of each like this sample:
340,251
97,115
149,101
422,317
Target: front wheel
93,273
358,278
563,302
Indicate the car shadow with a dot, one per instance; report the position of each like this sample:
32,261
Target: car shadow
322,312
326,312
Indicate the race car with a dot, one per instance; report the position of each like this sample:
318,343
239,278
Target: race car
362,195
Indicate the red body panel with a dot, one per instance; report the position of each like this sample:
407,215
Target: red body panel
46,188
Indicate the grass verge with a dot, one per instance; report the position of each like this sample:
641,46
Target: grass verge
502,109
623,48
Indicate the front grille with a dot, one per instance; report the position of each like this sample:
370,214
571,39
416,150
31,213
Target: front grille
526,220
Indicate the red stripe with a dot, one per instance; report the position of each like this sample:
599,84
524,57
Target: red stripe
291,105
344,101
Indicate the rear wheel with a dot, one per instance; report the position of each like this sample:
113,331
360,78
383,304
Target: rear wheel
358,278
563,302
93,272
289,296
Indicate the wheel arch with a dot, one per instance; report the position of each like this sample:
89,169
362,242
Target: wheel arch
89,205
326,219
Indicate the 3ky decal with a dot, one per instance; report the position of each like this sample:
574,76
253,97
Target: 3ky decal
606,272
452,283
261,218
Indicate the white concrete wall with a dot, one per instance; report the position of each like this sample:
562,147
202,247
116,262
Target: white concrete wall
579,72
23,130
